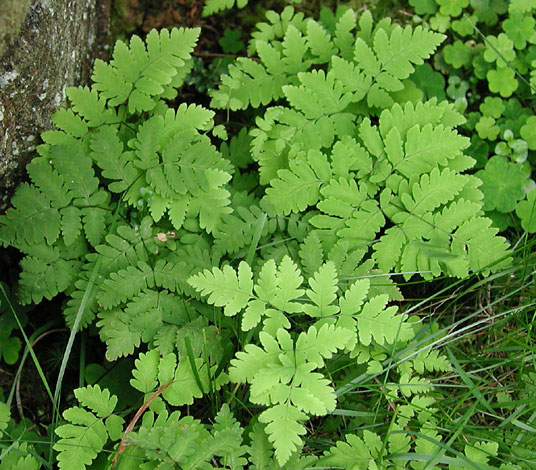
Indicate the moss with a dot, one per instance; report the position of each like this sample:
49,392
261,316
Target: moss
11,20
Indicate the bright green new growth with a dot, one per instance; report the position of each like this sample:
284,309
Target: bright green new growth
165,242
369,65
281,372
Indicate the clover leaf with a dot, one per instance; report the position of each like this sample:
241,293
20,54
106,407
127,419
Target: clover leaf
457,54
502,81
502,184
9,347
487,11
480,66
492,106
423,7
457,88
526,211
486,128
230,42
464,26
430,82
519,29
528,132
452,7
439,23
499,49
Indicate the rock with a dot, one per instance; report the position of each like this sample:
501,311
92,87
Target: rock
45,46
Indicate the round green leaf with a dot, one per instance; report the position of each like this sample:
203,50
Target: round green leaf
457,54
502,184
499,49
502,81
486,128
528,132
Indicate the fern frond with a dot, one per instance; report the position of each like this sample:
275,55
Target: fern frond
51,183
31,220
40,280
298,187
214,6
353,452
90,106
125,284
477,240
247,83
117,165
88,431
323,292
374,321
138,72
226,288
284,428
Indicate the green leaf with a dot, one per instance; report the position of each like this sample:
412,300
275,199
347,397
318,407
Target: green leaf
323,292
457,54
502,184
526,211
502,81
226,288
380,323
230,41
284,428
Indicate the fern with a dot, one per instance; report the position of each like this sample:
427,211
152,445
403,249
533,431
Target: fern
139,74
281,371
88,430
374,69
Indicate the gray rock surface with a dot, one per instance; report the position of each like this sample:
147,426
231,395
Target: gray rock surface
45,46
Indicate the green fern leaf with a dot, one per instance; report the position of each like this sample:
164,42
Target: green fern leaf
284,428
50,182
107,152
259,450
344,37
289,281
381,324
477,240
214,6
31,220
90,106
311,254
40,280
354,453
86,434
99,401
94,220
313,346
81,441
226,288
71,224
323,292
146,371
125,284
427,147
116,332
319,41
247,83
127,247
67,121
138,73
404,48
297,188
433,190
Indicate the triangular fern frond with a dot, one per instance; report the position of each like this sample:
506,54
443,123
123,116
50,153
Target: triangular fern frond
88,431
138,73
